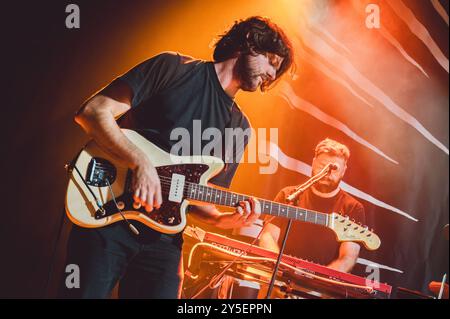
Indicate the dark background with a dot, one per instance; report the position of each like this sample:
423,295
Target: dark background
49,70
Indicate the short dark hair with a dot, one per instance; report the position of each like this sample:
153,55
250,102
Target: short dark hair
255,35
332,147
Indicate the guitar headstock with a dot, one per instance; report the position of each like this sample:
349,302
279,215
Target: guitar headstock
348,230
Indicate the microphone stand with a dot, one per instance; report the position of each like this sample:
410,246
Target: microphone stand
291,199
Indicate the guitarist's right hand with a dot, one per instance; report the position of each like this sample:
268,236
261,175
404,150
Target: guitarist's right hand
146,186
97,116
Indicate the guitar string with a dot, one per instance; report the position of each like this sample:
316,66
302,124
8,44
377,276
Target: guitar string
228,197
292,212
166,182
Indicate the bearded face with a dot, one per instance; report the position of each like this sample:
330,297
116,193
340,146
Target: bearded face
331,181
253,70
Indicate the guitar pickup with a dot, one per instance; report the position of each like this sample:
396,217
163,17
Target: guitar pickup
177,188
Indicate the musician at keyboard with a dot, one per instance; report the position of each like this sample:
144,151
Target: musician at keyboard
309,241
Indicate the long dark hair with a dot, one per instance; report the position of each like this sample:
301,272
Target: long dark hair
255,35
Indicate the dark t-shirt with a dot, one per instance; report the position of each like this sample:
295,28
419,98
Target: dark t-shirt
313,242
170,91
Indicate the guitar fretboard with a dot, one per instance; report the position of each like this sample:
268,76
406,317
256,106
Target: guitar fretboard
225,198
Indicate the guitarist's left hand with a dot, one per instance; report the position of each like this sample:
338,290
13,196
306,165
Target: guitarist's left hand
247,212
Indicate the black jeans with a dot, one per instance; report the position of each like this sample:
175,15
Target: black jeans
147,265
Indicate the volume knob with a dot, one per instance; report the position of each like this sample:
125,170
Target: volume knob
120,205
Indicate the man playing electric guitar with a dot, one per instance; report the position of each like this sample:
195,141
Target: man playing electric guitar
163,93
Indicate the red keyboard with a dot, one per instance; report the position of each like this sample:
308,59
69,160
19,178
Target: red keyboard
317,275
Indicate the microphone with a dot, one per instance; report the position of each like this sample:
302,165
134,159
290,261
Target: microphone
314,179
333,166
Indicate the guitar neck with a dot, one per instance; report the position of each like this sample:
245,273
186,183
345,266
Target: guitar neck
225,198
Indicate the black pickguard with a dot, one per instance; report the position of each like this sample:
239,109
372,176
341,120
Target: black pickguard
169,212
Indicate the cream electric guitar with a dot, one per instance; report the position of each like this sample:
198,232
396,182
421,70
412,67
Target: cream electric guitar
99,193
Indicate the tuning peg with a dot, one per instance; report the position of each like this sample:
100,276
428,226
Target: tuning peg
364,230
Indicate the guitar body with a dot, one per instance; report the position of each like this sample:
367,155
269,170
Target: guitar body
98,169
